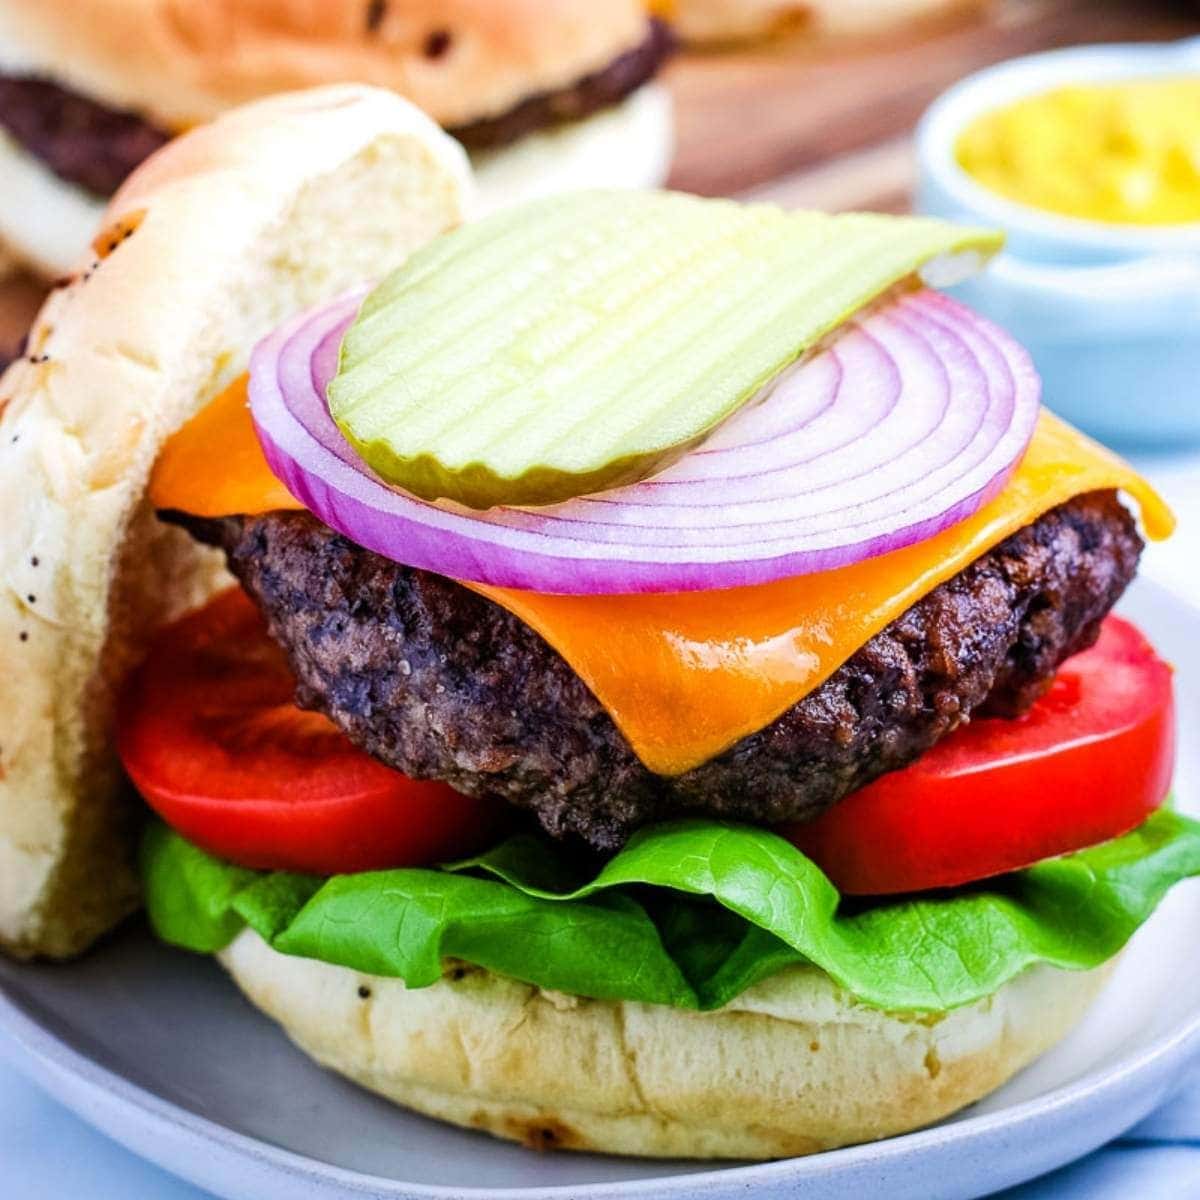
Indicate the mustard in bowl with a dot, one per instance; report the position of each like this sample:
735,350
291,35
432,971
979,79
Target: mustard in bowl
1089,158
1122,152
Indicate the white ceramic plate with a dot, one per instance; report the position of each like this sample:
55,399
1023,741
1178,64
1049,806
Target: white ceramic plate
157,1049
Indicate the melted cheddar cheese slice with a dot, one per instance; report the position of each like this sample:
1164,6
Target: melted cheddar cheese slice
214,466
686,676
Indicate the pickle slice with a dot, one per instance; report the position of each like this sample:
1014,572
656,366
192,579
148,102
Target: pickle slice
584,342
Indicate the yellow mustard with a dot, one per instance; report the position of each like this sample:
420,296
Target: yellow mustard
1127,152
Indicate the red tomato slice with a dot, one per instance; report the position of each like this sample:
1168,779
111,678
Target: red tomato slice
1090,761
210,736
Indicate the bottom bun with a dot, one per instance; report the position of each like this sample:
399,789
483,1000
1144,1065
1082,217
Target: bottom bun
792,1066
45,224
627,146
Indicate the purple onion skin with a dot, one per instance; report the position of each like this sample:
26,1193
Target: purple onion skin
549,550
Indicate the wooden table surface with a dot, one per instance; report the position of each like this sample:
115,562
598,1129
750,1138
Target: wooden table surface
827,125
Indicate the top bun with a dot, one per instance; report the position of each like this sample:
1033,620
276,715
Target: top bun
180,63
206,248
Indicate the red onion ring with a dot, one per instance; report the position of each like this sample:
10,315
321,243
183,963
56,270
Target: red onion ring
910,421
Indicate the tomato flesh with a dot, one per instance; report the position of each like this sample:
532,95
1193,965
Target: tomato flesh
210,736
1091,760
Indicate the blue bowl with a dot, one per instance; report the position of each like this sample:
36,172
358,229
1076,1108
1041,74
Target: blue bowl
1110,313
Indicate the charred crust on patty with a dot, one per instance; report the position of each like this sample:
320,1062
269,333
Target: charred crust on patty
441,683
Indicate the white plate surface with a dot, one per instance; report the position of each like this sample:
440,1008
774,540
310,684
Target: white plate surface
157,1049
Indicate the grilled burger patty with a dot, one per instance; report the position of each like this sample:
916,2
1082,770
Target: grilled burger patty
82,141
602,89
439,682
85,142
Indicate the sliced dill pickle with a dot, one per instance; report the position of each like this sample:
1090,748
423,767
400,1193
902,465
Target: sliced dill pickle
586,341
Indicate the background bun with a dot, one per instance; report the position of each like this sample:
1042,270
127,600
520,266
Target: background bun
181,61
791,1067
739,20
206,248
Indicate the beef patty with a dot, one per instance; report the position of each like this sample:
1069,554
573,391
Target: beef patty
441,683
89,144
82,141
602,89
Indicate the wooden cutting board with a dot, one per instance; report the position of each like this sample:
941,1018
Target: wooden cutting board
827,125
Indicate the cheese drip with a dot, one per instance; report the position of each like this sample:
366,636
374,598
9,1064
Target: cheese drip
688,675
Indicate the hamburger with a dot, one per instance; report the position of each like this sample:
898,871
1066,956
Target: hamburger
634,673
545,95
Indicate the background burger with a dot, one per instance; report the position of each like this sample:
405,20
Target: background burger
545,94
723,21
708,596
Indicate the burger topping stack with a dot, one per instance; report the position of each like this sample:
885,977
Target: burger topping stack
644,595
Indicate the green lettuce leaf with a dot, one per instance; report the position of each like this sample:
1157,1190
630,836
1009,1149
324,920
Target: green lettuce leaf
191,895
689,913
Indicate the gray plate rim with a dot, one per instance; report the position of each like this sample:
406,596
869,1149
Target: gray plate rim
108,1100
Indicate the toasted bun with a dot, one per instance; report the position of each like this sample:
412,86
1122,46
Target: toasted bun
180,63
210,244
628,146
791,1067
739,20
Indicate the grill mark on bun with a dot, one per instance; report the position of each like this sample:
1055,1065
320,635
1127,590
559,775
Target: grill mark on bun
121,230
